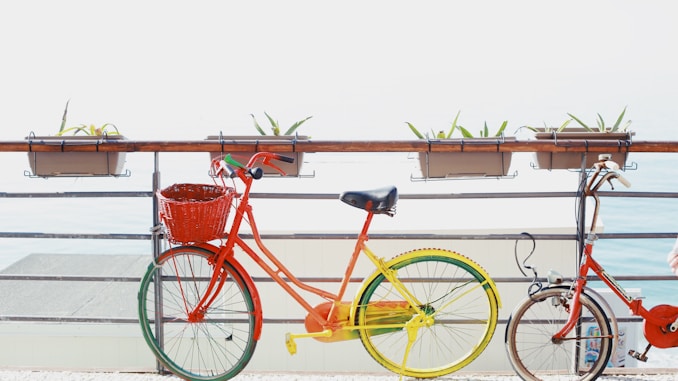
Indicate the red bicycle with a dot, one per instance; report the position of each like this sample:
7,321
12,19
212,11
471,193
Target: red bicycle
423,313
567,331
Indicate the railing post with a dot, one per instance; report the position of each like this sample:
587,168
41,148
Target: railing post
156,218
581,236
157,249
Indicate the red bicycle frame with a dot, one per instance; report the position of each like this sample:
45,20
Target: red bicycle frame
588,263
276,268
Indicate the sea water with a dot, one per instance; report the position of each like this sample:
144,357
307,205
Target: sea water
655,173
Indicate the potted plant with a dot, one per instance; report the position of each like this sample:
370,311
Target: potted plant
464,164
287,136
617,134
69,163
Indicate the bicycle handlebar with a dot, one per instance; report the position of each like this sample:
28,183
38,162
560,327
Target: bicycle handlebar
233,167
614,174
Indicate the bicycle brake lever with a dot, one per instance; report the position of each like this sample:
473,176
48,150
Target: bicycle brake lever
268,162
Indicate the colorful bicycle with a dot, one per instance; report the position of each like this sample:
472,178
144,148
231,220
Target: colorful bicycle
424,313
567,331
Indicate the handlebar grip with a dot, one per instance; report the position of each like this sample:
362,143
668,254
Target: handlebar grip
256,173
623,180
230,160
286,159
615,167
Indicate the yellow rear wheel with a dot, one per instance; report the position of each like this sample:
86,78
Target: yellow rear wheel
452,324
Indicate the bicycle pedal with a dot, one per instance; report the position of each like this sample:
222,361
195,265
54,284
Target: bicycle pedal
290,344
638,356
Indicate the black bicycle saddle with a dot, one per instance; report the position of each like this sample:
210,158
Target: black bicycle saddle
379,201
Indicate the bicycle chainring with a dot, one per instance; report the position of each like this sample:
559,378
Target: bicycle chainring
660,336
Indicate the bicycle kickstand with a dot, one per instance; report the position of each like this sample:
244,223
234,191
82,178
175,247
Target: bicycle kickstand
640,356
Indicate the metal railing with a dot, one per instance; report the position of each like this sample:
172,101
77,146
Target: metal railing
191,146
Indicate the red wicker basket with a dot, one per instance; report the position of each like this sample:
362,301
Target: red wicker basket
195,213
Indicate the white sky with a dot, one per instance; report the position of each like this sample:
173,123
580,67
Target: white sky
185,70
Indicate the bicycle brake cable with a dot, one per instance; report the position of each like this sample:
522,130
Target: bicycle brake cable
535,286
515,252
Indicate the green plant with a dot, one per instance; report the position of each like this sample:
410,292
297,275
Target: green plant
275,126
617,127
86,129
440,134
550,129
484,133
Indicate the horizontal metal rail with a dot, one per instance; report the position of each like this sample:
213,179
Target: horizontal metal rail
123,320
135,279
71,278
263,144
75,194
76,235
352,236
69,319
334,196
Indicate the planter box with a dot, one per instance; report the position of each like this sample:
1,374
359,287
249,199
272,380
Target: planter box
465,164
290,169
79,164
573,160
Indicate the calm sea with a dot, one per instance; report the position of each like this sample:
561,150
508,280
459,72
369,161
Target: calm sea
654,173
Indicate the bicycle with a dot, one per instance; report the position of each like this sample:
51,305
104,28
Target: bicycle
424,313
568,331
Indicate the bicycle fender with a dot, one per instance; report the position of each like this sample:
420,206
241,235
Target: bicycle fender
256,300
202,245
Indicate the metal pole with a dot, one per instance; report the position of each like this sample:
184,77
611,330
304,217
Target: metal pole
581,237
159,334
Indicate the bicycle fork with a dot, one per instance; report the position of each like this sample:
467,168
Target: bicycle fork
195,314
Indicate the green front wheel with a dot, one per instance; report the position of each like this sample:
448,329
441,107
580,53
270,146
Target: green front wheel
213,345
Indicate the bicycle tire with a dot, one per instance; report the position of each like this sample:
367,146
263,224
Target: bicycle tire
453,290
535,356
219,345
